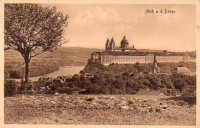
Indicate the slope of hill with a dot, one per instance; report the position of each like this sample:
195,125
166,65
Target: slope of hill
49,61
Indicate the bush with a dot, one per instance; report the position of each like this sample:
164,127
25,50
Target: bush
66,90
14,74
179,84
9,88
153,81
166,82
189,91
93,89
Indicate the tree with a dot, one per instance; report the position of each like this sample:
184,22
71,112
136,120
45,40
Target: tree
32,29
166,81
155,82
179,83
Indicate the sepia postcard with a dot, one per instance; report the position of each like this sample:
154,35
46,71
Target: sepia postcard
99,63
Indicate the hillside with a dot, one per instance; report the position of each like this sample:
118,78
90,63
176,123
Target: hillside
163,52
49,61
98,110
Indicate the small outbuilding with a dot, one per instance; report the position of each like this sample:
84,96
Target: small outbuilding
183,70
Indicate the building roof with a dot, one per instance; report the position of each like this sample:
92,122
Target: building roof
124,53
183,69
119,48
124,41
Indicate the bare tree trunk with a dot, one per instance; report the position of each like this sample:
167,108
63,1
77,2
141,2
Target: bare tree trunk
26,72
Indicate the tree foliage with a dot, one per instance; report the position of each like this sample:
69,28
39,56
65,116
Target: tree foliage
32,29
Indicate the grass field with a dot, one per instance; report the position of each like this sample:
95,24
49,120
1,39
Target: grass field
99,110
90,109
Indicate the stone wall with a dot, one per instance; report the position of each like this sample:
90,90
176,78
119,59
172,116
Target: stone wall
107,59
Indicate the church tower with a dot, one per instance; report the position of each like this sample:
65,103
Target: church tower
155,69
107,46
112,44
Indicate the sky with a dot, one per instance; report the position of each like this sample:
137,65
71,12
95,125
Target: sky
90,25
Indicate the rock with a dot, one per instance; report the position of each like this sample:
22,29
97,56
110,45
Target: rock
125,107
89,99
47,100
181,103
53,102
112,97
37,101
143,105
130,102
164,106
96,98
123,98
145,100
32,96
136,98
152,109
158,110
94,103
142,109
140,100
123,102
56,93
186,104
172,102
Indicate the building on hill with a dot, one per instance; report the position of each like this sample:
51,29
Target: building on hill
124,54
124,46
183,70
160,69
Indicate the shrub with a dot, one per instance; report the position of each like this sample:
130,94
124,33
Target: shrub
189,91
9,88
166,81
179,83
14,74
66,90
93,89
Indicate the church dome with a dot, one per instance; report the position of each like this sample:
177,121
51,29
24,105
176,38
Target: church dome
124,42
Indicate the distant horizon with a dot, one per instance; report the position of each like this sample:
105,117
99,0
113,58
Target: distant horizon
136,49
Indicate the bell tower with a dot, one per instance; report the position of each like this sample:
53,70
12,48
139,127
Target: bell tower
112,44
156,68
107,46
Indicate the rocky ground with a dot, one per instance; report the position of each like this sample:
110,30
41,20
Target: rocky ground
98,109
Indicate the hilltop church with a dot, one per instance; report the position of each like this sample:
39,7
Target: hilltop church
124,54
124,46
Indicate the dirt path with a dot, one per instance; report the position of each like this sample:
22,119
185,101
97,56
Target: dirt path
98,109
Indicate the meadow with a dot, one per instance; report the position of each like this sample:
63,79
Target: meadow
98,110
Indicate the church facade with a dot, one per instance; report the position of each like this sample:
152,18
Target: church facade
124,54
124,46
